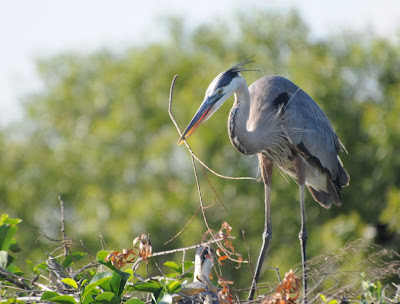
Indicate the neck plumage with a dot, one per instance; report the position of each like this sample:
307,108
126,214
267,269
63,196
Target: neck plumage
238,117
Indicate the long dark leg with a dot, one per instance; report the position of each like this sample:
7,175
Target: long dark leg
303,241
266,171
300,167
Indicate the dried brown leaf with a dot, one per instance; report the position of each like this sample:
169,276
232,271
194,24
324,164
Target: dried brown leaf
287,292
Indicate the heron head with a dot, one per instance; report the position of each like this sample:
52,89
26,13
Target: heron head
219,90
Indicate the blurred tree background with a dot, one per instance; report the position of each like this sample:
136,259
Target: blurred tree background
100,136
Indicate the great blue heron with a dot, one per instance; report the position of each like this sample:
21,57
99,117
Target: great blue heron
201,289
279,122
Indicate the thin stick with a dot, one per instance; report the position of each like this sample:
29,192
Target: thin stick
102,242
63,233
184,227
29,299
215,192
188,147
200,196
13,279
183,261
193,157
248,253
216,173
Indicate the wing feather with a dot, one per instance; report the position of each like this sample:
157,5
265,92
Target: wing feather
309,130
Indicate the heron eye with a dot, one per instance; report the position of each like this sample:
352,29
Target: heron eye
220,91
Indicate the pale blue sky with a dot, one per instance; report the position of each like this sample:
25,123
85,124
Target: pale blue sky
32,29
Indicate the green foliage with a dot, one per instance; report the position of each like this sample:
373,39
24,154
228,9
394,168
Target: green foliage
374,293
106,287
8,228
70,282
54,297
322,297
99,135
73,258
67,282
159,289
179,270
8,243
370,293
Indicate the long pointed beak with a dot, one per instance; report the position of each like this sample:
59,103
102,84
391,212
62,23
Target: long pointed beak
202,114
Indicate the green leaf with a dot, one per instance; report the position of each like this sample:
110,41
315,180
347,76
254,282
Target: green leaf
89,298
134,301
14,246
371,287
173,265
89,288
6,236
150,286
106,274
130,271
35,267
379,290
70,282
188,265
63,300
70,259
118,282
12,268
52,296
333,302
173,274
188,275
5,219
3,259
42,266
48,295
322,298
101,256
107,298
173,287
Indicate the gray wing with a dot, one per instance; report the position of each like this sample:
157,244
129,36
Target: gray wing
309,130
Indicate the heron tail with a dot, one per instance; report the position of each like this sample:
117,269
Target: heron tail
334,194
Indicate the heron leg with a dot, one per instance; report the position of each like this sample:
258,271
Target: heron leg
300,168
266,166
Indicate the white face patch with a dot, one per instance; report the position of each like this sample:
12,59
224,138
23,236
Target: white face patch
213,85
224,82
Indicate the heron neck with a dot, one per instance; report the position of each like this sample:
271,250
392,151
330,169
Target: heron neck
237,124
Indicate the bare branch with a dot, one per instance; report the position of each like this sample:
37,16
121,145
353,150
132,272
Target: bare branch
215,192
63,233
192,155
187,145
13,279
29,299
184,227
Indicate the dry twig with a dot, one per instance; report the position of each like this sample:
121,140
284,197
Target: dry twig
63,233
193,157
188,147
